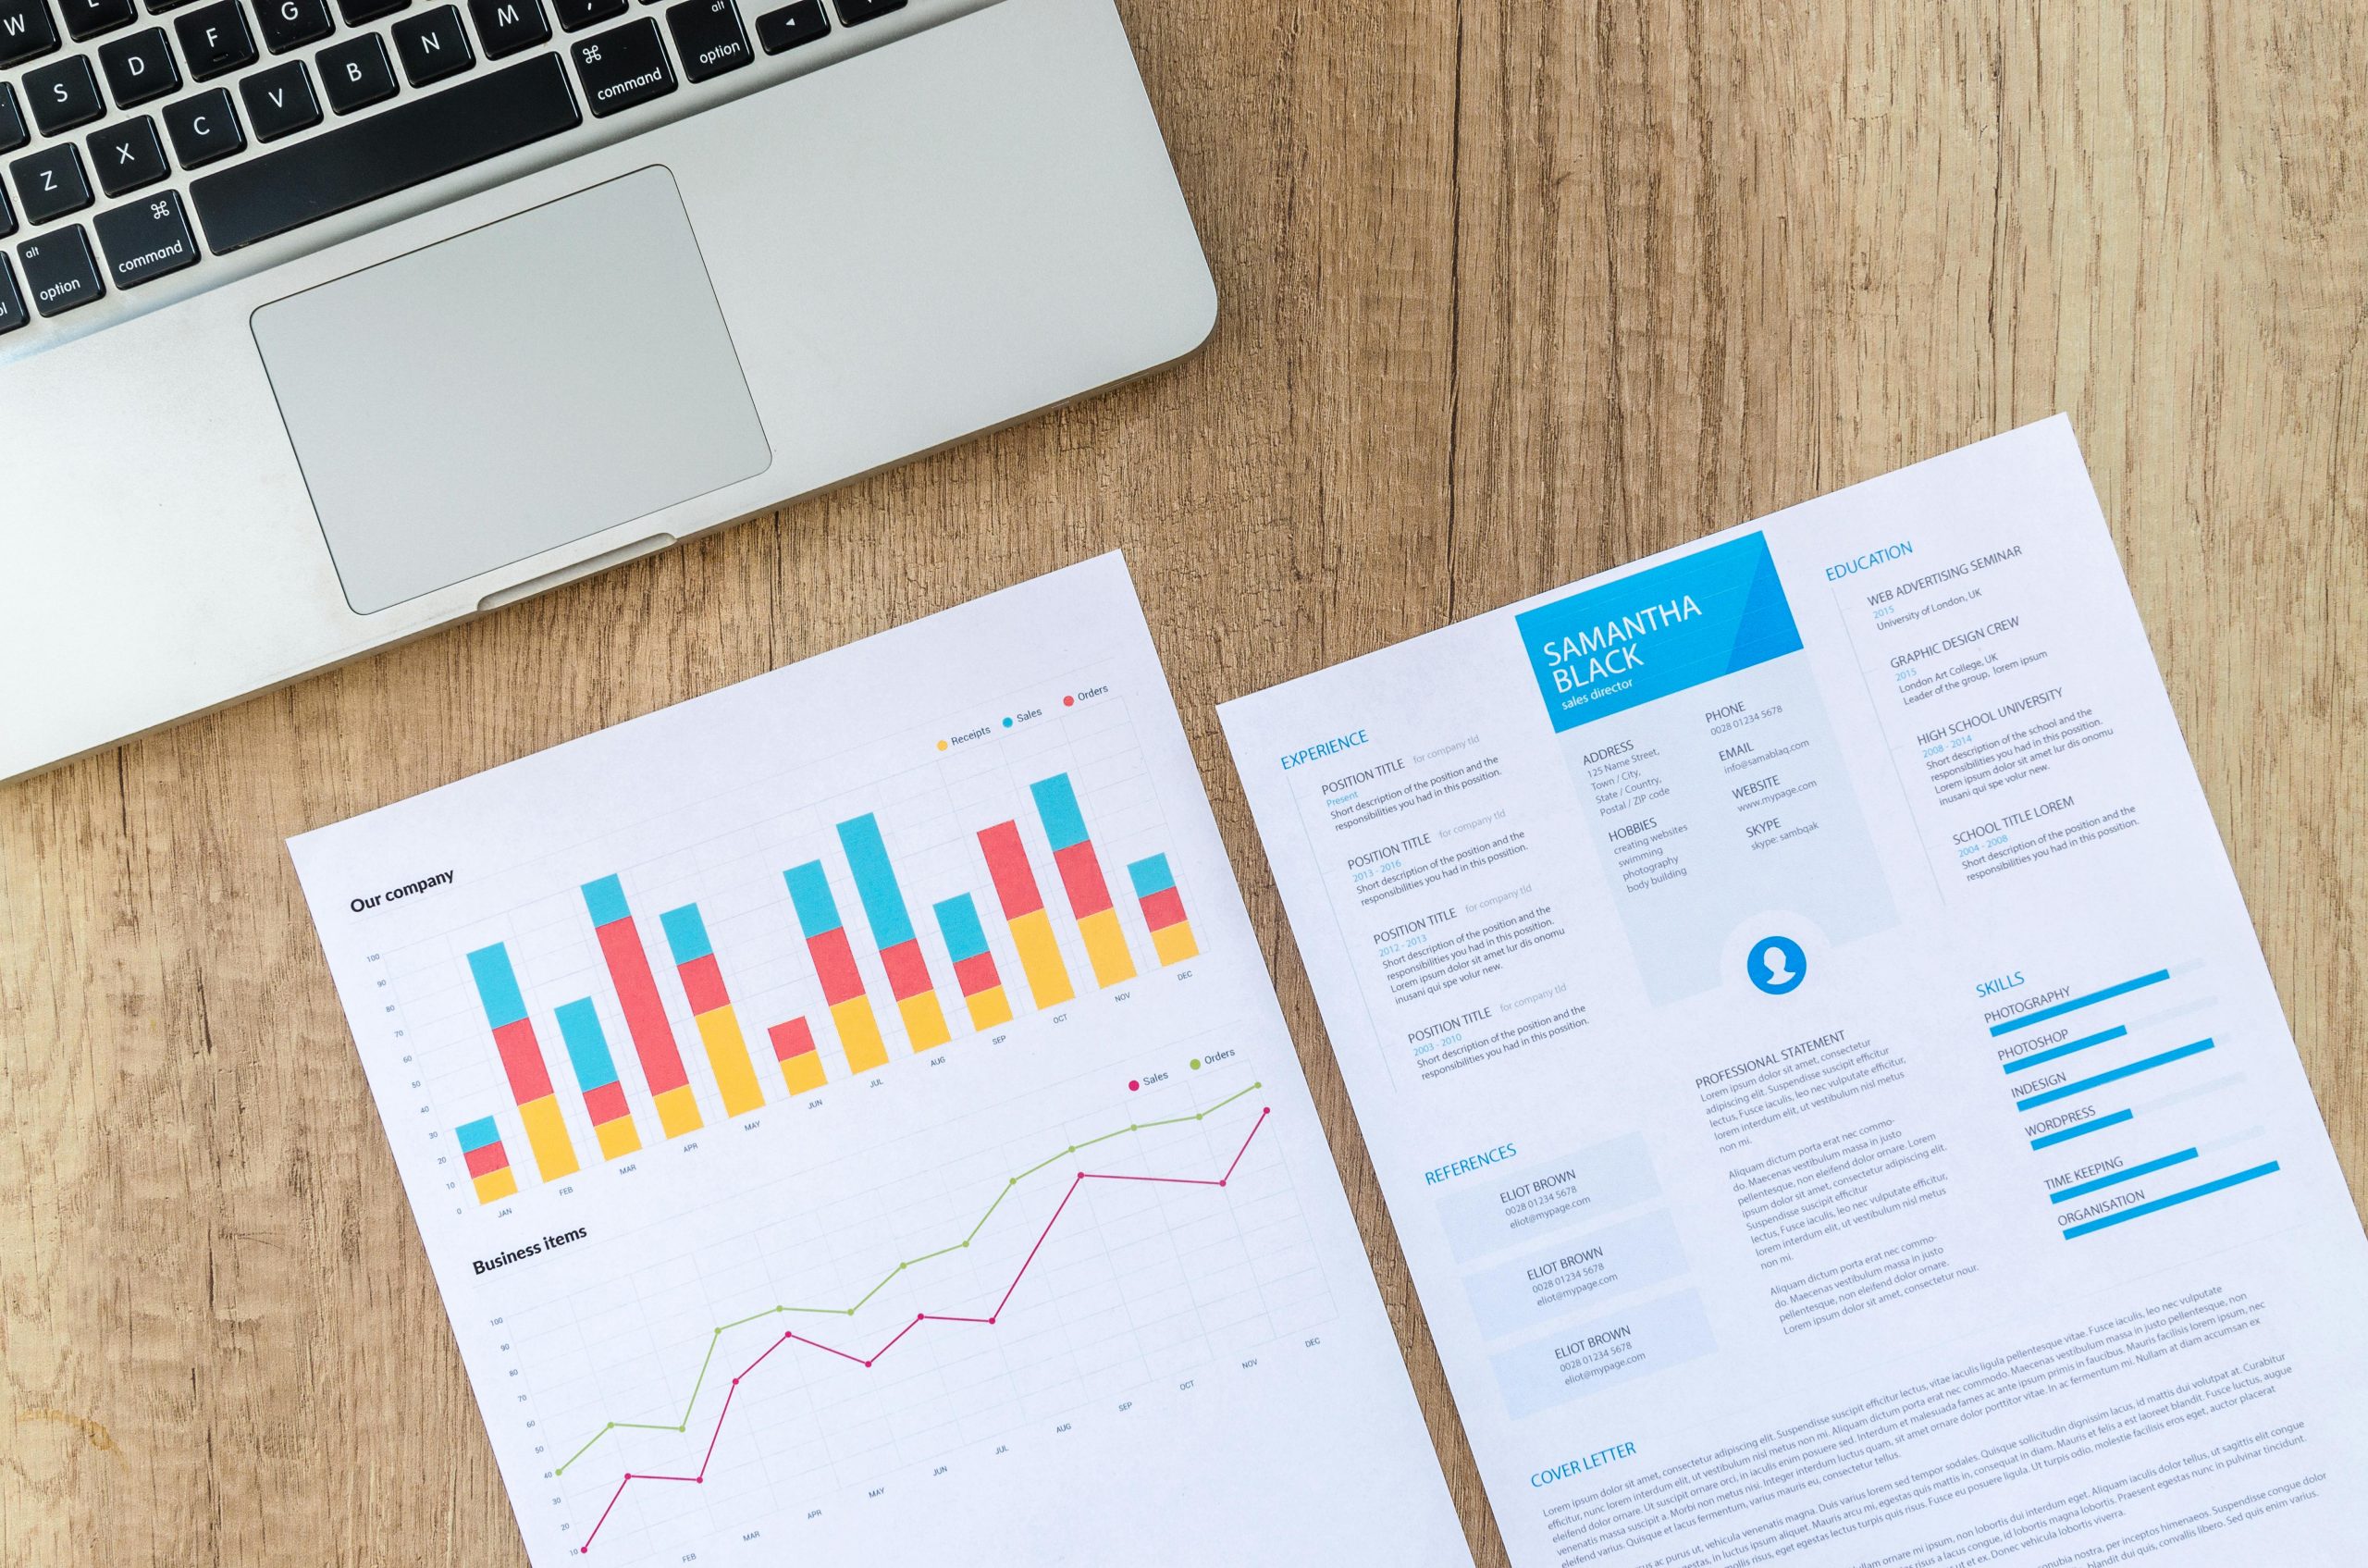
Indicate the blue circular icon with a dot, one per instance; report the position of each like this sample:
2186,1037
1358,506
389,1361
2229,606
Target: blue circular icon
1776,965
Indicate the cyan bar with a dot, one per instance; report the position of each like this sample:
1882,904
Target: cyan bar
2021,1063
687,934
810,890
2074,1006
959,918
1056,805
2069,1133
2118,1177
1151,875
587,1044
875,882
2174,1200
475,1135
2116,1075
496,985
605,901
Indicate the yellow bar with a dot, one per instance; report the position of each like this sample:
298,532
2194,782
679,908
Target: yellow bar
988,1007
497,1184
860,1034
617,1138
1174,943
1105,945
924,1021
803,1074
547,1135
1039,959
727,1053
678,1111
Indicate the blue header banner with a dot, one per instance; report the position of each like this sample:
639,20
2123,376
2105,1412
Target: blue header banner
1660,631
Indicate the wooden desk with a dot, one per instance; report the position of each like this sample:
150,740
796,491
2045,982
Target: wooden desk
1511,295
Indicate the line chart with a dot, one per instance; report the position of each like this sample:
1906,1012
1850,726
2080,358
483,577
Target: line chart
990,1320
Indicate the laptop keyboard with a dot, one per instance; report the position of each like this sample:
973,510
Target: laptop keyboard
187,132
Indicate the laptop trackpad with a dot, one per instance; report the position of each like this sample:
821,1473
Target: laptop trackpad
510,389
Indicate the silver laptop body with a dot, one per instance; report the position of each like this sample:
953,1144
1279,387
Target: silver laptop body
333,388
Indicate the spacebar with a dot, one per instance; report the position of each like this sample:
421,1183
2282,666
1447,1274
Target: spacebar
391,151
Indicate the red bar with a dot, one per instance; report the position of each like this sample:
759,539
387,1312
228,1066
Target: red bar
791,1039
1081,875
606,1103
908,972
834,966
653,1037
486,1159
976,973
703,984
522,1058
1015,880
1164,909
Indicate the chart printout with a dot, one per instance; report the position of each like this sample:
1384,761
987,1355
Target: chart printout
850,1122
1818,1059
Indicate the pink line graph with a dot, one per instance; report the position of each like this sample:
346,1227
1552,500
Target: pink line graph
789,1337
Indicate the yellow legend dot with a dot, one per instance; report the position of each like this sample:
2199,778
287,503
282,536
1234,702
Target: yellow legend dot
941,745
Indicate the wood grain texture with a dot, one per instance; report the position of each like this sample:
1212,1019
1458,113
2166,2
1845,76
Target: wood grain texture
1512,293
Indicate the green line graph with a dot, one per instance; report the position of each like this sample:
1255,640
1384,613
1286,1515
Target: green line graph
715,1336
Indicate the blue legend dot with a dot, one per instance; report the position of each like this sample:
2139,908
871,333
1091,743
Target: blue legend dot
1007,723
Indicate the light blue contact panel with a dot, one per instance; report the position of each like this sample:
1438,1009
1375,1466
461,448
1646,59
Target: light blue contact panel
605,901
587,1044
496,985
875,882
2145,1064
959,918
2074,1006
686,935
2022,1064
1603,1353
1057,804
1151,875
476,1134
2159,1205
810,890
2118,1177
2052,1139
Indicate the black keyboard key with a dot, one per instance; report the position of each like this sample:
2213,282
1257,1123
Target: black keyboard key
206,129
64,95
88,19
27,30
433,45
12,304
50,183
854,11
355,74
216,39
60,272
623,67
140,67
576,15
412,142
357,12
146,239
128,156
13,133
709,38
292,24
7,214
158,7
280,101
792,25
507,25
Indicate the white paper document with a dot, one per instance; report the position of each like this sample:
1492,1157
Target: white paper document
1818,1058
850,1122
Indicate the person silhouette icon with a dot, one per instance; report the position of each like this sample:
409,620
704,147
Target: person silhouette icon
1776,965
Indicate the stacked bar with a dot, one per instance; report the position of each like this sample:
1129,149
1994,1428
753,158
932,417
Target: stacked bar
487,1161
801,1065
653,1037
727,1051
596,1075
1023,911
826,944
522,1060
1171,934
892,928
1097,918
974,967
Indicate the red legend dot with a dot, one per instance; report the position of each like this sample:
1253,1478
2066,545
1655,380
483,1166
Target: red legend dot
1133,1084
1069,702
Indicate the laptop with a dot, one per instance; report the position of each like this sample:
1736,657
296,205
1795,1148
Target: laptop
323,322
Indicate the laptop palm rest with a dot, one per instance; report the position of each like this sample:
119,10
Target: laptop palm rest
511,389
